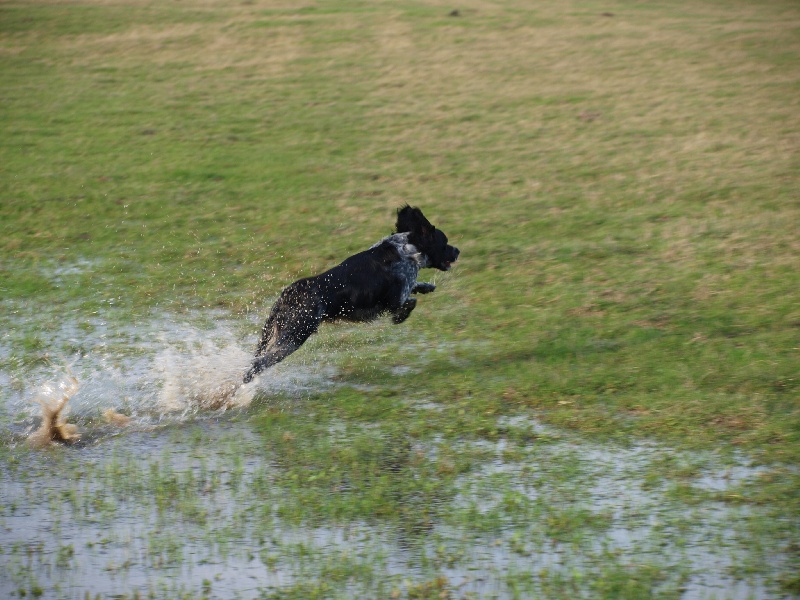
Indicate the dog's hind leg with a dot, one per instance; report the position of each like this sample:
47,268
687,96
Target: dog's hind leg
271,357
292,320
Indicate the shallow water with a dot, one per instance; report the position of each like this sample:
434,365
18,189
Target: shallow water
639,521
73,523
186,500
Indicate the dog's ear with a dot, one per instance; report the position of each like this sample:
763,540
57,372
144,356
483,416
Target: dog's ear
411,219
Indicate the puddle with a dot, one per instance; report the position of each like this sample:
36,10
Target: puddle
212,523
609,505
188,499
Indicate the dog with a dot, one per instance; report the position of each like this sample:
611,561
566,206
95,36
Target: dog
377,281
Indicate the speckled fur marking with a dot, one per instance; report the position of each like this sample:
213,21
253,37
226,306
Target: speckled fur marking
411,261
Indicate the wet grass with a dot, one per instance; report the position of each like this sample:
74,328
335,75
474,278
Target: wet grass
304,509
622,181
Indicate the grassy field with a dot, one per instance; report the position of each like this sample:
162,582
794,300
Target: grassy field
622,179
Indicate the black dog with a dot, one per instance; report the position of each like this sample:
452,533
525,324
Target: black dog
371,283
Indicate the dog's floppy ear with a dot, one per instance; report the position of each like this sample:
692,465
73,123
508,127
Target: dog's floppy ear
411,219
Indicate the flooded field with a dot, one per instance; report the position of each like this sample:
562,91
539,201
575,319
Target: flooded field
205,489
600,401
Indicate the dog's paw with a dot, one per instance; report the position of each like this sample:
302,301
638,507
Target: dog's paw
248,377
402,313
423,288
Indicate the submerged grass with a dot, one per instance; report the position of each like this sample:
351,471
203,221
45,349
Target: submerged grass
392,515
620,177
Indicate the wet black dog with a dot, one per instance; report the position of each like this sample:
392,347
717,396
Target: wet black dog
368,284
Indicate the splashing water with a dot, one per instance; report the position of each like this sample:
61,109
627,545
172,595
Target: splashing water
209,378
148,381
53,399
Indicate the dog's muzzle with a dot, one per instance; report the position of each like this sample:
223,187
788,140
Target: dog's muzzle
451,259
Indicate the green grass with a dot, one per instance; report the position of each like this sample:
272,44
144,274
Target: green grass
623,190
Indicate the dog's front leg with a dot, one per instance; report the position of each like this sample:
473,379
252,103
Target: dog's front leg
423,288
401,313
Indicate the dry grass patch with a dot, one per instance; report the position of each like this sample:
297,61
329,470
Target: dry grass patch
677,91
195,46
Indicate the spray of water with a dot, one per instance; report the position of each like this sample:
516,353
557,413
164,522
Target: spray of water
207,378
53,399
178,374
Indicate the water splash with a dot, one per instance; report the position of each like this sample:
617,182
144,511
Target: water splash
53,399
138,379
206,378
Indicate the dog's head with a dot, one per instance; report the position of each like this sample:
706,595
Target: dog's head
430,241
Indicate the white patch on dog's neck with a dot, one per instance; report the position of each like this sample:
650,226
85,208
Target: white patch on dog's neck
411,261
406,250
